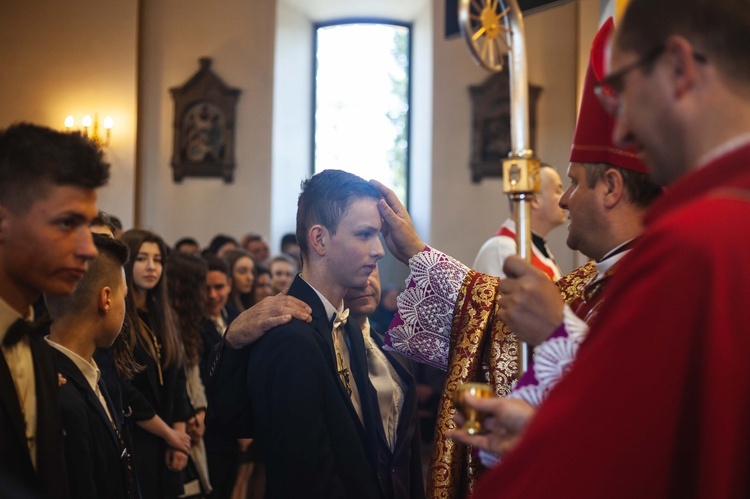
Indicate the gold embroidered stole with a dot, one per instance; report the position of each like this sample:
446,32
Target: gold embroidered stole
483,349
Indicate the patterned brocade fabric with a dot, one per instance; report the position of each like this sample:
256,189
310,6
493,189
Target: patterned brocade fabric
421,329
444,319
480,350
447,318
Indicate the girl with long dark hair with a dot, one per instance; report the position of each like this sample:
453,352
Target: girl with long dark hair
156,398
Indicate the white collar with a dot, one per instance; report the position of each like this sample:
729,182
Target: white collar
330,309
610,259
366,329
89,369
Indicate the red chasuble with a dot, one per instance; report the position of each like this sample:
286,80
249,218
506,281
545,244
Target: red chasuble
482,349
658,402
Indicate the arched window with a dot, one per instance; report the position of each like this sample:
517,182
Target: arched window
361,100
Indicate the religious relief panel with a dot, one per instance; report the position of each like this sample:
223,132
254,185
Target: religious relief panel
204,126
490,139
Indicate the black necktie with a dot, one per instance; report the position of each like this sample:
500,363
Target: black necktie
17,331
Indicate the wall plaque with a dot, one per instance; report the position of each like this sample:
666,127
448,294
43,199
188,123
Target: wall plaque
490,138
204,120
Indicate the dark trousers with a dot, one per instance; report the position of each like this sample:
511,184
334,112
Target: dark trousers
222,471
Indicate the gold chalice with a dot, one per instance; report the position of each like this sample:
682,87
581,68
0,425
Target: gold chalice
474,418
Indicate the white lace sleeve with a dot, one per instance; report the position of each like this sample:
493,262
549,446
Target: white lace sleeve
574,325
422,326
552,360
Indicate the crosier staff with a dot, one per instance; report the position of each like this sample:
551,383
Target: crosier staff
491,30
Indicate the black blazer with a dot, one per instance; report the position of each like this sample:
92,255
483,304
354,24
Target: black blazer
229,412
99,464
17,475
215,441
310,436
400,471
211,337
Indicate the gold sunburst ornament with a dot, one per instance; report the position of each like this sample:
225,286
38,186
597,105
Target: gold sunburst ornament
484,26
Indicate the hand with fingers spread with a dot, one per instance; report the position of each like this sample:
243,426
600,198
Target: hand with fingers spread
531,305
504,425
270,312
398,230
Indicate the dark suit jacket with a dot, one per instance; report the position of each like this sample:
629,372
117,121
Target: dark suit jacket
229,411
310,436
214,439
16,470
105,361
98,462
211,337
400,471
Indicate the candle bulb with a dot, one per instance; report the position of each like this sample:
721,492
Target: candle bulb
108,123
69,122
86,123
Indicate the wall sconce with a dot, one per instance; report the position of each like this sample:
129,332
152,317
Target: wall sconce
90,128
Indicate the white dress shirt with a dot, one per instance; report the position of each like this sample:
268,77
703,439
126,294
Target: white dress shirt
341,346
388,384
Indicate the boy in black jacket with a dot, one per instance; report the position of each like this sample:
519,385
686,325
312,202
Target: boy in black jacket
98,461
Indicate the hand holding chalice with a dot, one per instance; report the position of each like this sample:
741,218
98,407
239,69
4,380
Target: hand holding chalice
474,418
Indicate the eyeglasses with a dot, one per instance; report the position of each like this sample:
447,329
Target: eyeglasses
609,89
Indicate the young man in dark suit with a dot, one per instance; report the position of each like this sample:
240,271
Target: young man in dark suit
399,446
311,406
399,461
315,414
48,184
98,460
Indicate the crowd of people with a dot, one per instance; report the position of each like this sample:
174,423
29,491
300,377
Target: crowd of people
108,335
180,301
131,369
122,328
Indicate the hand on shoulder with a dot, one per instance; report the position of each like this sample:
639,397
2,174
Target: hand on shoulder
270,312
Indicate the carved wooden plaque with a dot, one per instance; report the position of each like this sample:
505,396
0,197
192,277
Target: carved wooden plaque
490,139
204,134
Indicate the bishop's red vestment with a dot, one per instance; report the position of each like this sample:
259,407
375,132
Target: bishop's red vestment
658,402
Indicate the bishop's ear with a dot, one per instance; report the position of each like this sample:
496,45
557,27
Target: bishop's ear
615,187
